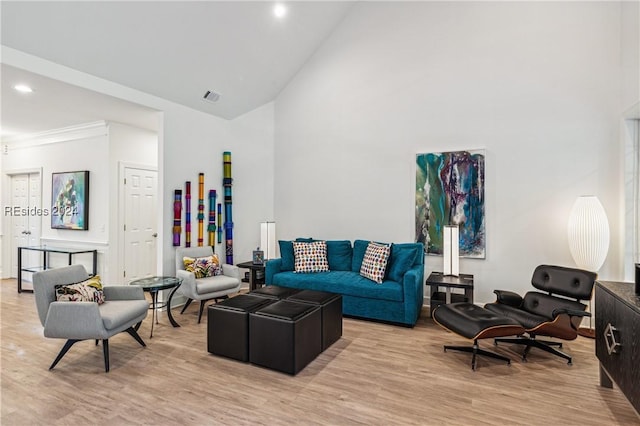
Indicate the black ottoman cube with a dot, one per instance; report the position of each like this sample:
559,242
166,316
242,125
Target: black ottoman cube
228,326
330,309
285,336
274,292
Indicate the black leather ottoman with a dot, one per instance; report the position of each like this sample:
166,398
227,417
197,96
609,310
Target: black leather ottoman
228,325
285,336
274,292
475,322
330,309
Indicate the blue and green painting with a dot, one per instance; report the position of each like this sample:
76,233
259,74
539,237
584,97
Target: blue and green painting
450,191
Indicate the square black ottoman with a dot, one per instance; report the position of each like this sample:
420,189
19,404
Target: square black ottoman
274,292
330,309
228,325
285,336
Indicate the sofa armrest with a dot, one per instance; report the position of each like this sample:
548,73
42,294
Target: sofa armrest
188,286
273,267
413,289
123,292
73,320
231,271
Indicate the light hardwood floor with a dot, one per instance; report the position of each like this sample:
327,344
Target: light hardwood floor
377,374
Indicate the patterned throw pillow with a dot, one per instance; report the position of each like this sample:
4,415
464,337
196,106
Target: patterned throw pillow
310,257
85,291
375,261
202,267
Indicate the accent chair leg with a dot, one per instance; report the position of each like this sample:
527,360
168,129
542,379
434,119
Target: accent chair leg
132,332
105,351
63,351
202,302
186,305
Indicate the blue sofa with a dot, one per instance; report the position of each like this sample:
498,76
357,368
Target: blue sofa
398,299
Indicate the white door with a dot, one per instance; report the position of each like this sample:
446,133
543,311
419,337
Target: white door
26,222
140,223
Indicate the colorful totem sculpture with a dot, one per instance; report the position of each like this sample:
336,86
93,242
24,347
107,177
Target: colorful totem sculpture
211,229
200,209
219,223
227,181
177,216
187,238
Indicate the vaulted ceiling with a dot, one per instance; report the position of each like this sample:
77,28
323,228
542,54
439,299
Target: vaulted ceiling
174,50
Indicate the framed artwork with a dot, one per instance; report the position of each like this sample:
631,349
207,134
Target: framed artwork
70,200
258,257
450,191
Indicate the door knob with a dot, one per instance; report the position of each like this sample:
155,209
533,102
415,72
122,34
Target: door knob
154,235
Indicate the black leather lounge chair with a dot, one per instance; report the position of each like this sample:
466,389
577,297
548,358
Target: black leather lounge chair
554,311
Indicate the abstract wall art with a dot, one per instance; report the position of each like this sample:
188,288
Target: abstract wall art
450,191
70,200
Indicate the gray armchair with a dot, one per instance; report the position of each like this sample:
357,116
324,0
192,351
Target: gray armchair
205,289
123,308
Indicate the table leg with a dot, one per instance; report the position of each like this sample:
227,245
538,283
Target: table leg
171,320
154,303
19,269
252,279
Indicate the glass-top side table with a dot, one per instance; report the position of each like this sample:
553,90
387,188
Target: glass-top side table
153,285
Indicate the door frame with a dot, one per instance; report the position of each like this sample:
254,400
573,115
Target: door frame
122,166
5,221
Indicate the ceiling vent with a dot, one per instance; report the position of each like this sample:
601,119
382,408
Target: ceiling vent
211,96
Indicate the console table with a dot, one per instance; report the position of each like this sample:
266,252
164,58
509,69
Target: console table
618,338
45,260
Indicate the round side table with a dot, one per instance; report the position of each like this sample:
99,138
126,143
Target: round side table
153,285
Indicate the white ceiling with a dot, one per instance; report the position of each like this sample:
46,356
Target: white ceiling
174,50
54,105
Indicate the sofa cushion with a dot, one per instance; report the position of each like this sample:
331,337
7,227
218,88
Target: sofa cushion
207,266
359,248
375,261
400,261
310,257
342,282
286,253
339,254
89,290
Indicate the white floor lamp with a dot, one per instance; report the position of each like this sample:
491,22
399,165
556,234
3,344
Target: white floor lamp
588,240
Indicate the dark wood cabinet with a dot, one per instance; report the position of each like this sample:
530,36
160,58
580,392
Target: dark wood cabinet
617,314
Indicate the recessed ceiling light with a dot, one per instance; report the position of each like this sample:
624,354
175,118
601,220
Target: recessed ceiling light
280,10
23,88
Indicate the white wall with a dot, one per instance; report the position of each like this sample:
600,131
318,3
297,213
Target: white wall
253,167
85,147
127,146
71,150
535,84
190,142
